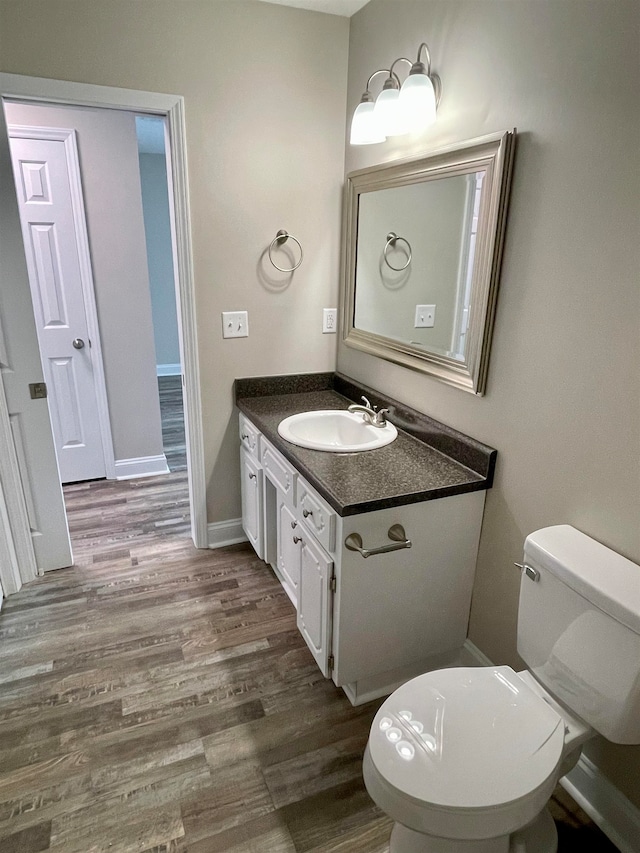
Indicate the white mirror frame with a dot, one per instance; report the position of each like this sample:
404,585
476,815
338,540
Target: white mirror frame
492,154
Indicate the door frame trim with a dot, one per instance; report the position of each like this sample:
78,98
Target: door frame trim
43,90
68,137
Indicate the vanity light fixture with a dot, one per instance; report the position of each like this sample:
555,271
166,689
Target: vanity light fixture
398,109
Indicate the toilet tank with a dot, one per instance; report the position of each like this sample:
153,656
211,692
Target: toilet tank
579,628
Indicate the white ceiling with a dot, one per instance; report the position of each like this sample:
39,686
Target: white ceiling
346,8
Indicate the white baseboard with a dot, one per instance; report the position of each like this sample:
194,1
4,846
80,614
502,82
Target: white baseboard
607,807
616,816
478,658
142,466
168,369
223,533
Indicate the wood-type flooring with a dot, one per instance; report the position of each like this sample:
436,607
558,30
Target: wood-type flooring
159,699
172,414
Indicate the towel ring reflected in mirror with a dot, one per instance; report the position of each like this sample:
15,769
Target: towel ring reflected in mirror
281,238
392,239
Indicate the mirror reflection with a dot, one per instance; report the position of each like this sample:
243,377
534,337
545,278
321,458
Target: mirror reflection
414,262
423,243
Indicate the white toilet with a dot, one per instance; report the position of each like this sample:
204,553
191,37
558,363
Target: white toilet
464,760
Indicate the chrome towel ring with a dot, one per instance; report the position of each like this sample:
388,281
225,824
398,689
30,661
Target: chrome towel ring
392,238
280,238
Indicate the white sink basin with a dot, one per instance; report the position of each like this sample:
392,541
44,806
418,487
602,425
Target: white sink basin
336,431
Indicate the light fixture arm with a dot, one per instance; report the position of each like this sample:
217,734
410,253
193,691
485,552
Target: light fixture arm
428,52
390,76
400,59
419,67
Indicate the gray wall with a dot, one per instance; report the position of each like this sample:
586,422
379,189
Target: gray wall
157,227
108,153
265,101
562,404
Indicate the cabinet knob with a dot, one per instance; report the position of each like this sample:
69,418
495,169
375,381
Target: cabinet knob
244,437
294,524
297,539
252,476
307,512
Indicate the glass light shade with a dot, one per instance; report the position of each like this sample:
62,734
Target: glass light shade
389,114
418,101
365,130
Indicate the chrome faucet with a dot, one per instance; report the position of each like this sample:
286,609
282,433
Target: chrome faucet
369,413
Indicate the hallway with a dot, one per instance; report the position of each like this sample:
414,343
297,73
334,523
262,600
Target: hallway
114,519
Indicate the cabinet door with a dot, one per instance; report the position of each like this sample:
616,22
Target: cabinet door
314,601
288,549
252,497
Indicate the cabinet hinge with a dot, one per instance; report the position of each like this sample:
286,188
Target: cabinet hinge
331,662
332,584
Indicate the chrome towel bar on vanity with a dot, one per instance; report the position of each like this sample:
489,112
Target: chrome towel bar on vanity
396,533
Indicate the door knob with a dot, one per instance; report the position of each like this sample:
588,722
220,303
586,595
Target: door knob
78,343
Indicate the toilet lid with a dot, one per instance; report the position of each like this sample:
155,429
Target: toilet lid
466,738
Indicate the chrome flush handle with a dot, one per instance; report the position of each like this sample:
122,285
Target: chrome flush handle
533,574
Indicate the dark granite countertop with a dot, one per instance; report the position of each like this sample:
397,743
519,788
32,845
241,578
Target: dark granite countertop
428,460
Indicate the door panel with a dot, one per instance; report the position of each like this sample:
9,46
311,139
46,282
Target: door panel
68,421
314,612
47,217
31,470
252,496
288,549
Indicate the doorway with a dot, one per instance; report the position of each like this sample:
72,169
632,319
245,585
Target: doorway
19,525
98,244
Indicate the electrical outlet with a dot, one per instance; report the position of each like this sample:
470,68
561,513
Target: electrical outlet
425,316
235,324
329,321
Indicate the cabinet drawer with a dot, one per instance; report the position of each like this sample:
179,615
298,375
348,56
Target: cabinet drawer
316,515
279,471
249,437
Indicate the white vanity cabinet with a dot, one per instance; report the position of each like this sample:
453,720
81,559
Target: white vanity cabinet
370,623
315,600
288,550
251,487
305,570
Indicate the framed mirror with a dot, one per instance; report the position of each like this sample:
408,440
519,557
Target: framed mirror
422,246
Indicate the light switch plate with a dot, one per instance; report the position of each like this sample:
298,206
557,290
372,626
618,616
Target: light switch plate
235,324
425,316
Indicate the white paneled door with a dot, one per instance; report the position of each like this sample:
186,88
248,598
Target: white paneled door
34,507
47,191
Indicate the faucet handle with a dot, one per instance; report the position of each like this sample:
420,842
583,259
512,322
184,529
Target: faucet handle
367,403
381,418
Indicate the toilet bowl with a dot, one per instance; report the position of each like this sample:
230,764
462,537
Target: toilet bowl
464,755
464,760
